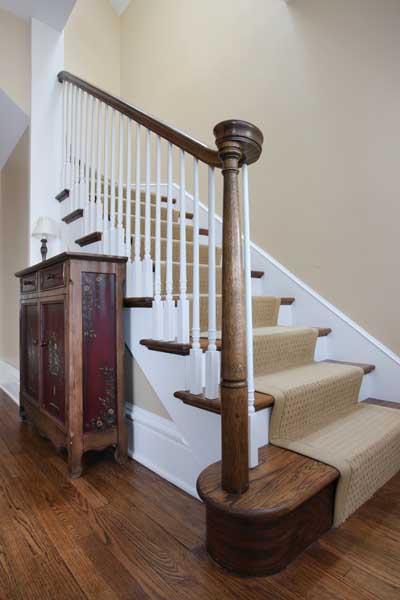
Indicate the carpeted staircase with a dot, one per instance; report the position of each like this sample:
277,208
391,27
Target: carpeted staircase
316,410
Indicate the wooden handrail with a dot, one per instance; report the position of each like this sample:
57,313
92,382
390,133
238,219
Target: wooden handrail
175,136
249,136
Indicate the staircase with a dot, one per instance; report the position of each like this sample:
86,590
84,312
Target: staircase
300,452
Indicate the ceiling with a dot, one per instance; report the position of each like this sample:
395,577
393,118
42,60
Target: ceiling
52,12
120,5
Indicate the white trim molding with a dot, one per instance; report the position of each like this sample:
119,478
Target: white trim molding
156,443
9,380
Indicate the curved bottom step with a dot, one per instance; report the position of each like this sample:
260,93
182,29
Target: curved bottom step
288,506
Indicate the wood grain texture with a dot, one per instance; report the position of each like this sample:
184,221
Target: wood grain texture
63,195
366,367
148,302
72,355
288,505
261,401
184,349
73,216
63,538
90,238
176,137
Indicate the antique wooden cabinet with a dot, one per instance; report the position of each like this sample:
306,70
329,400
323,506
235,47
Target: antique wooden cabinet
71,353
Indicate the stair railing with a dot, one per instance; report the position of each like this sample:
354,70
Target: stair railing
98,156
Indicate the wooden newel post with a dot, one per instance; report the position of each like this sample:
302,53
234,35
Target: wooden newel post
238,142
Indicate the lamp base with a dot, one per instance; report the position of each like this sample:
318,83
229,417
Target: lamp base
43,248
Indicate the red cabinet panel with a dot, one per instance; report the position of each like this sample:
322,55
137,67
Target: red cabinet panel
53,358
30,350
99,351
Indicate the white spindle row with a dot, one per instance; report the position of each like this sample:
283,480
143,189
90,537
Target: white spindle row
106,176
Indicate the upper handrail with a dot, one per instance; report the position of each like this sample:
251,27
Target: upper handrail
171,134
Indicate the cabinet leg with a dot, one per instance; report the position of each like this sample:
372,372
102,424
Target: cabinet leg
74,461
121,453
22,413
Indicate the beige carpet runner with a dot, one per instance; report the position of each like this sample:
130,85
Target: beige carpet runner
316,411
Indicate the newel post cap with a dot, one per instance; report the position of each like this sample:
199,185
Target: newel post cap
248,136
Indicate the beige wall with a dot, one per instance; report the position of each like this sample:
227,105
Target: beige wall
322,80
14,234
138,388
92,44
15,59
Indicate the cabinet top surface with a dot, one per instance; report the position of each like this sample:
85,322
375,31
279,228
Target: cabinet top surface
70,256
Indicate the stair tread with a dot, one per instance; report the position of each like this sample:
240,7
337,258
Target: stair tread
261,401
283,481
90,238
366,367
384,403
73,216
143,302
183,349
63,195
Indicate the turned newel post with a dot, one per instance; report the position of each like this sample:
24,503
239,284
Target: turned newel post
238,143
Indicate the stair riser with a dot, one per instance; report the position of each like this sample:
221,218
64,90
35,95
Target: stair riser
153,209
189,271
264,314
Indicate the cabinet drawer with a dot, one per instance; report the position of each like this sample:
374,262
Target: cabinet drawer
29,283
52,277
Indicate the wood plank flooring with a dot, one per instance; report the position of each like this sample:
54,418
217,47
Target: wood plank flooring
123,532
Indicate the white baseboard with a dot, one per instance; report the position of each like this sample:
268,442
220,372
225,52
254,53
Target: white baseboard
9,380
156,443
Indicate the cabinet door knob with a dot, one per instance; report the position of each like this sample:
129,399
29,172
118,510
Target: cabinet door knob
35,342
44,344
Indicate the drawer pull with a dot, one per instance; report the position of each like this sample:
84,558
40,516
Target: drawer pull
51,276
44,344
35,342
28,282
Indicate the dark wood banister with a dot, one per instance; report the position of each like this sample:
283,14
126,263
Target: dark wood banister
243,130
180,139
238,142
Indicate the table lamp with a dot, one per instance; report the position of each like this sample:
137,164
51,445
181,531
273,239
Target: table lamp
45,229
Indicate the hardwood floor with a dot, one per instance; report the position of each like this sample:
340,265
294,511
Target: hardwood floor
123,532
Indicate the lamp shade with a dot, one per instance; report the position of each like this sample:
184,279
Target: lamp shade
45,228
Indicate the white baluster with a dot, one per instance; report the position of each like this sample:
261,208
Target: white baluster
169,305
82,185
73,155
183,302
99,203
212,355
113,233
137,266
88,166
157,303
120,225
106,206
128,204
68,170
64,137
196,354
92,206
77,148
253,449
147,260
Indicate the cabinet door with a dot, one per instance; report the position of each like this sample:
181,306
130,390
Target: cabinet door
53,358
30,350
